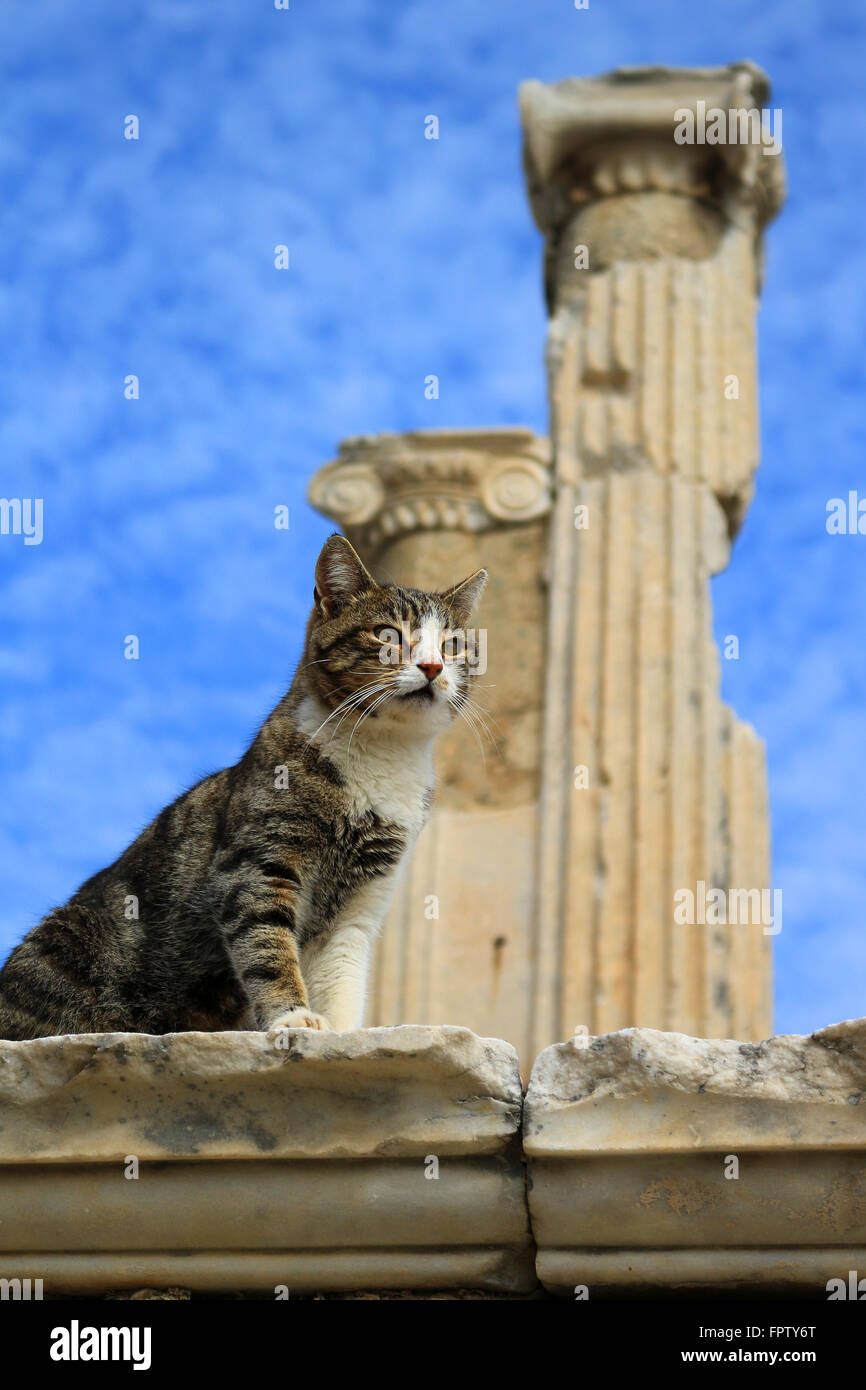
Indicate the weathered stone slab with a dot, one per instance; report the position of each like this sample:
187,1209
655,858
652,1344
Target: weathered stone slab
380,1091
644,1091
663,1161
386,1158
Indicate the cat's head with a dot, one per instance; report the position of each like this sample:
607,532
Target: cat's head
399,657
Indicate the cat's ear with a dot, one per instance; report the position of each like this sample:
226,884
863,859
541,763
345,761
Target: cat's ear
463,597
340,575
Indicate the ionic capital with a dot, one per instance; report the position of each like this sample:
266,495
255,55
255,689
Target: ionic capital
384,486
693,133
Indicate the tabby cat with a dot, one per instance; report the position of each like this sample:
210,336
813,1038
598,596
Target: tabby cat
252,901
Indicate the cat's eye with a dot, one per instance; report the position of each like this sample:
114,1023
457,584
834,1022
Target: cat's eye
390,650
454,646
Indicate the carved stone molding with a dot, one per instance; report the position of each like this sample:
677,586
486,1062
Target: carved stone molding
383,486
588,139
583,138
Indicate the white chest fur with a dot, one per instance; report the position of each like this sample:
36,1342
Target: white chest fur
386,772
393,777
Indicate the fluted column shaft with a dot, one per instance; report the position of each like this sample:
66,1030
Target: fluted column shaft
649,785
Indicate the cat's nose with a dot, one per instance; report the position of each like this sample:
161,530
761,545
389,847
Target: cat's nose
431,669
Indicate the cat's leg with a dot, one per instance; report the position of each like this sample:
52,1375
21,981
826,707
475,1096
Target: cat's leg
336,961
258,918
335,968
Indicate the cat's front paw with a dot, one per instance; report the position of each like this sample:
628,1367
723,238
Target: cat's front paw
301,1017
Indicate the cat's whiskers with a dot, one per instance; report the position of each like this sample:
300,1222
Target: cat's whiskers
470,693
463,715
380,700
354,696
356,704
476,719
485,720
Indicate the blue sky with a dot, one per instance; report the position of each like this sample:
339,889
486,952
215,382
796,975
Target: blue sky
409,256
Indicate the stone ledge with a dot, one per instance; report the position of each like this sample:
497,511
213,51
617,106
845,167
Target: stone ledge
396,1092
306,1167
630,1141
640,1091
261,1166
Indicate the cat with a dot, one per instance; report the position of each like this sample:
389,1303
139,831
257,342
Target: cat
252,901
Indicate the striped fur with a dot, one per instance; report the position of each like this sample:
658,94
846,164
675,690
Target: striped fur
252,900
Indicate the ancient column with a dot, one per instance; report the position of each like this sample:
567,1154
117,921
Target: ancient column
649,784
542,897
426,509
